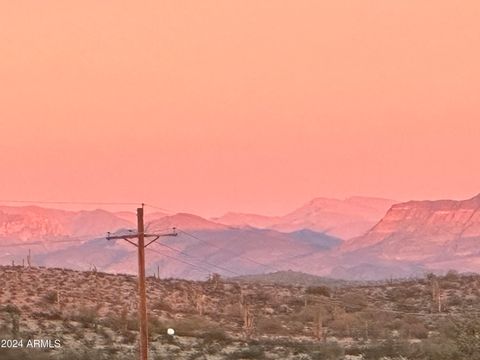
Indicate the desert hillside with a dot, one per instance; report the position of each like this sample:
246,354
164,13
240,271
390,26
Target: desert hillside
93,316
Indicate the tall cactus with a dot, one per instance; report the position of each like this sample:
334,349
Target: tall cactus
200,303
436,293
247,315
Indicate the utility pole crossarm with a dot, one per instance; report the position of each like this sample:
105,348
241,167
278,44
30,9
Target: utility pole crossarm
123,237
135,236
158,236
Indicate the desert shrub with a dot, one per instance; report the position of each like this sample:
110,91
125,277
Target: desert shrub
454,300
262,297
252,352
467,338
155,326
345,325
192,326
213,335
129,337
15,354
452,275
161,305
354,301
318,290
14,316
438,349
107,337
414,328
50,297
389,349
87,316
80,354
269,326
121,322
295,327
296,302
11,309
329,351
309,314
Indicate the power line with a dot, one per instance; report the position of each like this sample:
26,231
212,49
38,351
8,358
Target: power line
233,252
159,208
223,249
70,202
151,206
107,203
201,260
155,229
88,238
207,271
103,203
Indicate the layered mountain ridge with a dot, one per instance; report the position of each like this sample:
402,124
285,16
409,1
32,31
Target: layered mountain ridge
36,223
439,222
339,218
438,235
403,239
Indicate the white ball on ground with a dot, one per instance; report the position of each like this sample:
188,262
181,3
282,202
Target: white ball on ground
170,331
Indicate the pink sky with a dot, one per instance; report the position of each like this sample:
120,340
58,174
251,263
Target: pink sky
209,106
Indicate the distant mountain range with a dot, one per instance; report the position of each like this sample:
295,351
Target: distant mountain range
339,218
55,241
356,238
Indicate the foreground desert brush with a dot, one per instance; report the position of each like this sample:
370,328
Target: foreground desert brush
93,315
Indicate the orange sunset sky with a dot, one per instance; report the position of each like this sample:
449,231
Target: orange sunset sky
247,105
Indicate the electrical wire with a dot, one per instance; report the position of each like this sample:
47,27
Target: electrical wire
106,203
207,271
201,260
230,251
158,208
70,202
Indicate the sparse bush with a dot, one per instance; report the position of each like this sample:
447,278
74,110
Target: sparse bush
50,297
213,335
355,300
329,351
252,352
270,326
87,316
161,305
414,328
318,290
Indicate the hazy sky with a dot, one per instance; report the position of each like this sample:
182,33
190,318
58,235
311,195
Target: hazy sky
246,105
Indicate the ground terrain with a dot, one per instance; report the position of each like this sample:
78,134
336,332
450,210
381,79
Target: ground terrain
93,314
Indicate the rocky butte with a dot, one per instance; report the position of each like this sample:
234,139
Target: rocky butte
437,233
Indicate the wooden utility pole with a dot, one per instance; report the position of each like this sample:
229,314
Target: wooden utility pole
142,294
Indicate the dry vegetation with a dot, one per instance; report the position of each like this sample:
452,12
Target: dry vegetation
94,316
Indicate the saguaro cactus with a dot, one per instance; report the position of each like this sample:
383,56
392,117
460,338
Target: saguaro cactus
215,279
247,316
436,293
200,303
